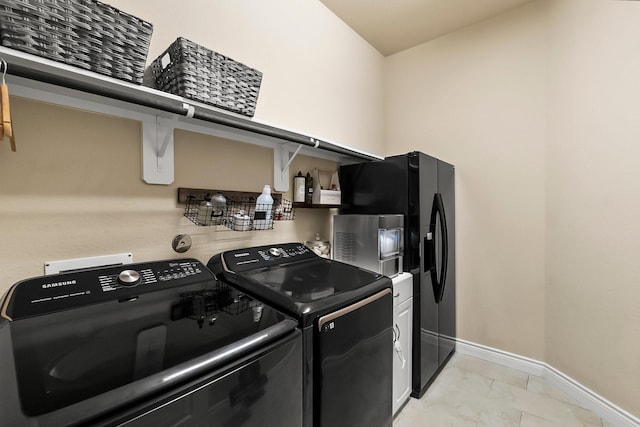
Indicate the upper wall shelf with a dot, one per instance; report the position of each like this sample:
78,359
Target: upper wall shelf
41,79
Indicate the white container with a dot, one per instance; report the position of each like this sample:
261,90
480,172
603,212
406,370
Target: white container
326,197
262,219
321,196
241,221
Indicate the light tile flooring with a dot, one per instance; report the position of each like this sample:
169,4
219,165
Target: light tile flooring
476,393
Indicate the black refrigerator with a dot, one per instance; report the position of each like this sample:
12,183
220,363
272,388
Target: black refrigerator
421,188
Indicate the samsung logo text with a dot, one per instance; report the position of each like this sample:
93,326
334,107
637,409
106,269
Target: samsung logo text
58,284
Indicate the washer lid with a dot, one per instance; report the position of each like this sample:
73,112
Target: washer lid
312,280
294,279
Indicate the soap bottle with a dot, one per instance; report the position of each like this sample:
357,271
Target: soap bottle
309,189
299,188
205,210
264,204
219,203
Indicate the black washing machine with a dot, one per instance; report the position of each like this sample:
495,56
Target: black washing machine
149,344
345,313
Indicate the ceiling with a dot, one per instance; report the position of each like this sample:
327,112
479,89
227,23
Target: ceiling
392,26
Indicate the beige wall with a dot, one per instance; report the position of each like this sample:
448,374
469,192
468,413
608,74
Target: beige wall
475,98
593,196
75,191
538,110
74,187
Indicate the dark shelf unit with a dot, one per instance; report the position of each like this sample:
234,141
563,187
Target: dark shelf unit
312,206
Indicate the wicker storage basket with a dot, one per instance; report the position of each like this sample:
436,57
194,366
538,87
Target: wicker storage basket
84,33
195,72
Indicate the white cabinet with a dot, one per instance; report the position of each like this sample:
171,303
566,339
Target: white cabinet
402,327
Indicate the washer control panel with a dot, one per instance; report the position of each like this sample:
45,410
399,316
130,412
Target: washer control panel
266,256
41,295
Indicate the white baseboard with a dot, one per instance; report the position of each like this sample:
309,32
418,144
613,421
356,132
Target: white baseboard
504,358
590,400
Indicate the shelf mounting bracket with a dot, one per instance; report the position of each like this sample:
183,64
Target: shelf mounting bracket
282,158
157,150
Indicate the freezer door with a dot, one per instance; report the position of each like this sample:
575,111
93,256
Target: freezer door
353,386
447,256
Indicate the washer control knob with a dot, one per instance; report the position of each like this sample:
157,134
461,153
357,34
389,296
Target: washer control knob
129,278
275,252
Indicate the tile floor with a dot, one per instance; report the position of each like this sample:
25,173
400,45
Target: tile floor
476,393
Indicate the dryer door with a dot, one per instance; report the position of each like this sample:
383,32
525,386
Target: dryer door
354,369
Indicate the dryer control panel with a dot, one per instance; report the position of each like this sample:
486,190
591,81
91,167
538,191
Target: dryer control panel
265,256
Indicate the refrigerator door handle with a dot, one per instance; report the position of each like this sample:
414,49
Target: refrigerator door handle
429,260
429,245
444,245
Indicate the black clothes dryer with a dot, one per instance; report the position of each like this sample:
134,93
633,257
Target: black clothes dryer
345,313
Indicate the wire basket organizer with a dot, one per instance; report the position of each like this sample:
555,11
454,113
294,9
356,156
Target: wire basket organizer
241,212
84,33
195,72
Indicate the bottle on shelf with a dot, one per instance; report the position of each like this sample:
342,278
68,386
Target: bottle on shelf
299,188
262,219
309,189
219,203
278,212
205,211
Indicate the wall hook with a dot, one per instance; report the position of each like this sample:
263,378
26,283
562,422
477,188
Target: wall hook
3,68
6,127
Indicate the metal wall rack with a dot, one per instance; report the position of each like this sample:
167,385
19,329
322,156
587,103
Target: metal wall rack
44,80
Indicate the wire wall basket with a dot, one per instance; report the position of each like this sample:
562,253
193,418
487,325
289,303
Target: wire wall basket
241,212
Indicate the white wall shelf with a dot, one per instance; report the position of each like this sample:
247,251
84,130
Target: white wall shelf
44,80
